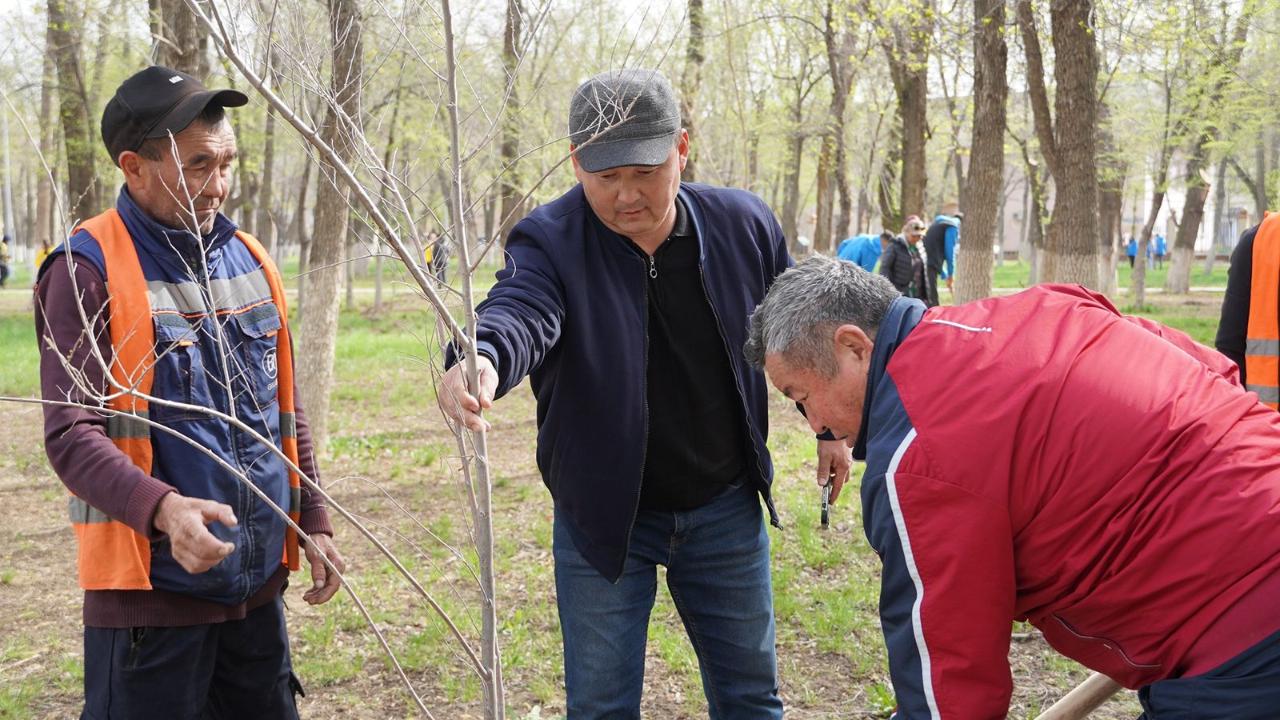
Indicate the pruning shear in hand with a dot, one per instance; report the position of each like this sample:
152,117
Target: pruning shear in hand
826,504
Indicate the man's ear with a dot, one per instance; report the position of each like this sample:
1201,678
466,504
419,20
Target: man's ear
853,340
130,164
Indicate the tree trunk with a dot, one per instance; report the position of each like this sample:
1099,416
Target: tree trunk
1224,64
1219,214
1035,212
1139,277
906,47
753,149
10,215
1260,195
328,247
1110,202
388,156
265,217
45,231
76,129
1036,92
298,231
510,187
180,40
1072,245
823,240
860,218
791,190
690,82
913,104
892,215
1024,230
107,16
986,164
1178,279
838,41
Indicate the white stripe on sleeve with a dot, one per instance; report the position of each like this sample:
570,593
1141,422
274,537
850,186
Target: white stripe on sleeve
891,482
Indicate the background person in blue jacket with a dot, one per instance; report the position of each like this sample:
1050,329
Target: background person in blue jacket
1161,249
940,245
625,300
864,250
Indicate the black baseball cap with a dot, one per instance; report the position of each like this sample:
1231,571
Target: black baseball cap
155,102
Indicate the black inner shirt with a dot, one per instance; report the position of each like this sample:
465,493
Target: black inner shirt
696,438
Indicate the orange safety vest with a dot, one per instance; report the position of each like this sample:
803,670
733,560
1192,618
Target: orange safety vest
1262,344
111,556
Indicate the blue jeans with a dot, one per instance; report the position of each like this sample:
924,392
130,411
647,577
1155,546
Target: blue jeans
717,560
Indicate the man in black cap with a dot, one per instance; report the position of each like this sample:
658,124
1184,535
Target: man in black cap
182,565
625,301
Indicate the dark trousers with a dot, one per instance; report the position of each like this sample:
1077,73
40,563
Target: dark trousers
1246,687
237,670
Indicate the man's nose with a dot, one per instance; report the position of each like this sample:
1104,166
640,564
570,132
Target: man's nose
217,185
628,194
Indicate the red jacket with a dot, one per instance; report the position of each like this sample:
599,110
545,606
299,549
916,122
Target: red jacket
1042,457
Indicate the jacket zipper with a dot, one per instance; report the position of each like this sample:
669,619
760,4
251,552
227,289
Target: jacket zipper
737,385
244,498
644,446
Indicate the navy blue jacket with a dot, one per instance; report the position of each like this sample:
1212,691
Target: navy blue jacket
570,311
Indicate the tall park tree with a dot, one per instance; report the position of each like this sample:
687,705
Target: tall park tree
1069,149
906,36
45,227
77,133
1219,78
690,82
510,148
328,246
986,162
839,40
180,41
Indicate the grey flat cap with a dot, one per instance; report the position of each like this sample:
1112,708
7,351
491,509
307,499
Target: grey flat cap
623,117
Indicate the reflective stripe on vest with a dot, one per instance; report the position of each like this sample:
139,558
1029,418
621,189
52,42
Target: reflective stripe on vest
110,555
1262,347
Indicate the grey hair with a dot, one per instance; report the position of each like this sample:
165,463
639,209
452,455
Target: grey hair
805,306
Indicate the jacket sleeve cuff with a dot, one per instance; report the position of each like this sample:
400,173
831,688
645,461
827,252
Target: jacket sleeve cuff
144,501
315,521
452,356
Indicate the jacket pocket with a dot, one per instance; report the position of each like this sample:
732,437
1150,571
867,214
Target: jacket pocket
1105,652
260,327
179,369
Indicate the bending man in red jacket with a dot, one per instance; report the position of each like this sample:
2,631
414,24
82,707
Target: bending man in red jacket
1101,476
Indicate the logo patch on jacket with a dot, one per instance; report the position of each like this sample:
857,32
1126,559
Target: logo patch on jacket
269,363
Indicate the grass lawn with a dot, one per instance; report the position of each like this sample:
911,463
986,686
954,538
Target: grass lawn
1017,274
392,463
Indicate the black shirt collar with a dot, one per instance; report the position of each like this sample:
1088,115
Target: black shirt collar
682,227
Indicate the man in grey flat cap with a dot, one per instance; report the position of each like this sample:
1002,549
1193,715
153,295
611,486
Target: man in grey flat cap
625,301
